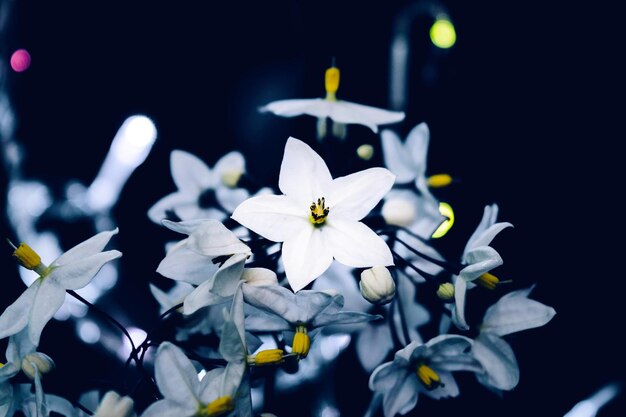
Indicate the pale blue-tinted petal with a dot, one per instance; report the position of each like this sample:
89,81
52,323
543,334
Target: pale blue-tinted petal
458,310
201,297
415,314
80,272
312,303
306,255
274,300
449,345
479,260
415,349
348,112
190,173
183,264
343,317
232,161
354,244
498,361
62,406
228,277
353,196
186,226
209,388
169,408
175,375
397,159
19,346
402,398
490,214
173,297
447,390
275,217
15,317
417,147
384,377
230,198
460,362
90,246
213,239
515,312
288,108
243,400
48,299
264,322
171,202
373,344
304,176
487,236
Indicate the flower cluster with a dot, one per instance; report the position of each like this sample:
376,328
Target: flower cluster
271,277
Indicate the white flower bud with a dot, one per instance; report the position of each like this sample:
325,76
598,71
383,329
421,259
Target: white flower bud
259,276
399,211
377,285
446,291
365,152
112,405
41,361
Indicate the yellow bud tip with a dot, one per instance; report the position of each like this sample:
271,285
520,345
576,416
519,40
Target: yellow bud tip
27,257
331,82
488,281
446,210
428,377
267,357
439,180
365,152
218,407
301,342
442,33
446,291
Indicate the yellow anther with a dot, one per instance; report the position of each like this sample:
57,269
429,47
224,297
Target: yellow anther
231,178
446,210
29,259
439,180
217,407
331,82
446,291
1,364
428,376
267,357
319,211
301,342
487,280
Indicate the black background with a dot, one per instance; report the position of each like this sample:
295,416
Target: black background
520,111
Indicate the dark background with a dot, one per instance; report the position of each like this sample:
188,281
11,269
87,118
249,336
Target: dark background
520,111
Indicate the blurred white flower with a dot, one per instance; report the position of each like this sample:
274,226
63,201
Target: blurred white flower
318,218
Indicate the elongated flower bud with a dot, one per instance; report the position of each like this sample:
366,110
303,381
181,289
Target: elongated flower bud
377,285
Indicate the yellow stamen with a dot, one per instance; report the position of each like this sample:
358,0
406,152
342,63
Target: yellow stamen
301,342
217,407
428,376
439,180
1,364
446,210
319,211
331,82
29,259
267,357
231,178
488,281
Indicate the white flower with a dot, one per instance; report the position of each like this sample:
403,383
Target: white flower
479,258
512,313
112,405
18,348
422,368
71,271
196,181
317,217
339,111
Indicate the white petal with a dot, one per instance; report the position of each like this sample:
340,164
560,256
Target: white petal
15,317
171,202
498,360
458,311
209,388
417,147
90,246
230,198
175,375
448,389
213,239
201,297
306,256
487,236
515,312
232,161
48,299
275,217
304,176
170,408
228,277
397,159
402,398
191,175
480,260
186,226
183,264
373,344
354,244
414,313
352,197
348,112
288,108
79,273
384,377
449,345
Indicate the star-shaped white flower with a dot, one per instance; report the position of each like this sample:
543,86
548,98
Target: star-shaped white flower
196,181
340,111
71,271
318,218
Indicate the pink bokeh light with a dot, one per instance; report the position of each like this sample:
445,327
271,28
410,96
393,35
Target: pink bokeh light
20,60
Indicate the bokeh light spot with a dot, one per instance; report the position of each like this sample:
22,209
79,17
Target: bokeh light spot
20,60
442,33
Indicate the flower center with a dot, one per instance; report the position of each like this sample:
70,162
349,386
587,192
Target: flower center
29,259
439,180
319,211
231,177
267,357
488,281
331,83
428,377
217,407
207,199
301,342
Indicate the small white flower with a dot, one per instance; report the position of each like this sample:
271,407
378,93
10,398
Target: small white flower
71,271
512,313
112,405
196,181
318,218
339,111
422,368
